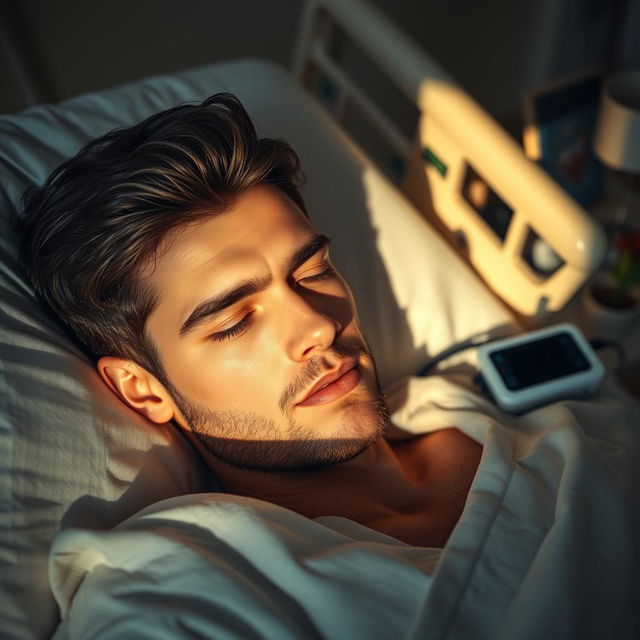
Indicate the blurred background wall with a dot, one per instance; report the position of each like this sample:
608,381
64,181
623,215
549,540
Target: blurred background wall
496,49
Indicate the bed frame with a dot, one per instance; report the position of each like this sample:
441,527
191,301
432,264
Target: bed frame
528,240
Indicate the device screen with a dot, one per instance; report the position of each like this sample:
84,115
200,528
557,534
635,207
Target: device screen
539,361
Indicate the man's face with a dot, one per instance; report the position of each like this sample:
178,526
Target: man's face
239,392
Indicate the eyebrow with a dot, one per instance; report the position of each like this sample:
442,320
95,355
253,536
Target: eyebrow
211,307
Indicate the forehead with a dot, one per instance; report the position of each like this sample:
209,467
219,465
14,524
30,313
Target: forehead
262,221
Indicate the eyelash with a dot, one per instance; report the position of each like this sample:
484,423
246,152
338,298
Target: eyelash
231,332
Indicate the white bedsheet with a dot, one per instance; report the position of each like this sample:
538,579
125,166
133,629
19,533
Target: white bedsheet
547,546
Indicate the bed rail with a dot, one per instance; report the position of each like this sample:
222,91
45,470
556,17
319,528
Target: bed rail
530,242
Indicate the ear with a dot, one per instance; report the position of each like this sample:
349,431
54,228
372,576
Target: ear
137,388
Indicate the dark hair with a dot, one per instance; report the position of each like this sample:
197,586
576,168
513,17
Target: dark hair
101,215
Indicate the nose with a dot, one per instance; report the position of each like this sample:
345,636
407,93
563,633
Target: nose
311,321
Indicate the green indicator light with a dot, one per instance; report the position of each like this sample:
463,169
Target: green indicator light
432,158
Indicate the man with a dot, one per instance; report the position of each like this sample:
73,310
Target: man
180,253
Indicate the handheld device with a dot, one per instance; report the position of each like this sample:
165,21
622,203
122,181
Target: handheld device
530,370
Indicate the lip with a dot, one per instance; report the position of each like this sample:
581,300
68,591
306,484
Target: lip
327,379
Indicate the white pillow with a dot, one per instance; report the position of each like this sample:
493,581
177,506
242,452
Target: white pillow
70,453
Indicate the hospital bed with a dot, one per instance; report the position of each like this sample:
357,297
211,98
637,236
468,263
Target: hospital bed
551,517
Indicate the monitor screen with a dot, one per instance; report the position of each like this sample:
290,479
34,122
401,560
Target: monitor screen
525,365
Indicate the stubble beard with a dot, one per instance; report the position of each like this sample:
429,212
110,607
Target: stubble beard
230,435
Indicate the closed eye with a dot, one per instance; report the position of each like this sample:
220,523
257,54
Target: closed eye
233,331
219,336
329,272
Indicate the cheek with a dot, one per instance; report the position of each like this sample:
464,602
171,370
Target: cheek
225,377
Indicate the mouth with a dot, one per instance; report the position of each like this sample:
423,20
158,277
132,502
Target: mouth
333,386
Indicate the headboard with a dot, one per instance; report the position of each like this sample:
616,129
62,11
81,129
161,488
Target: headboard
531,243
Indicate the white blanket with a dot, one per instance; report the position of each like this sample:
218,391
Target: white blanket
547,546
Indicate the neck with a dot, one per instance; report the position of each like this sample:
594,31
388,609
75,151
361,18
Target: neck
365,487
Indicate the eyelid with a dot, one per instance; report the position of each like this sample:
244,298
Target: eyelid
230,332
323,263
